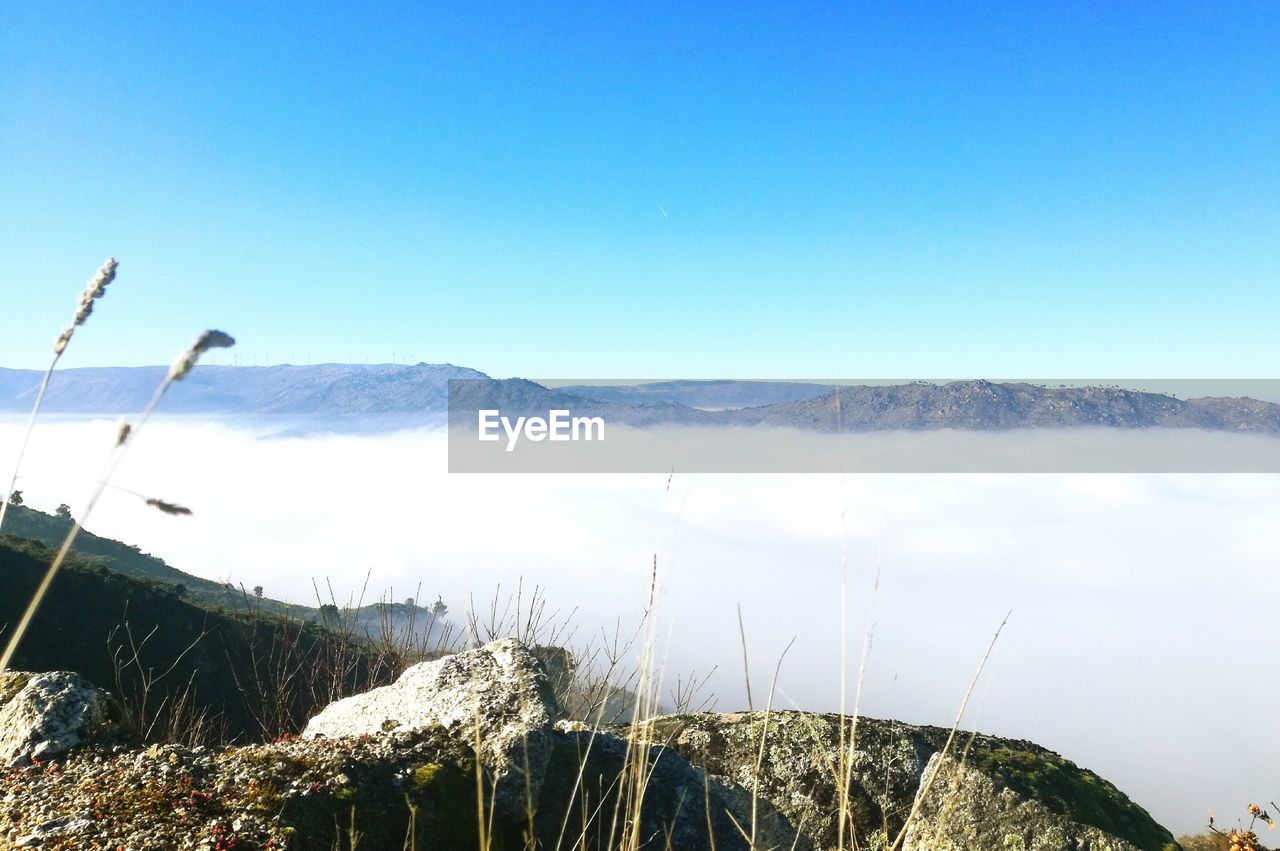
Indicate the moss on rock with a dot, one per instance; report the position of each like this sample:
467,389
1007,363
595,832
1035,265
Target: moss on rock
1065,789
802,772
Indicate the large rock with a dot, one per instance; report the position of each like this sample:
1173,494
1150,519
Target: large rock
800,765
496,700
42,715
1042,795
605,791
399,765
585,788
967,808
390,791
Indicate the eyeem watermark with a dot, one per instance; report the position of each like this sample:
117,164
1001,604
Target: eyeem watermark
556,426
870,426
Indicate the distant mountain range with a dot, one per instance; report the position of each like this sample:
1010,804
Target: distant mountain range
324,389
403,394
969,405
709,395
984,405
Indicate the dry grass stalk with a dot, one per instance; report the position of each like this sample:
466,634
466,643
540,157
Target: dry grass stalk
168,507
177,716
187,360
93,291
183,365
946,748
848,744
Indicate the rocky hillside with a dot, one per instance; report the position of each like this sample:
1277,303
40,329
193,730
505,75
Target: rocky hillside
985,405
711,394
470,751
966,405
982,405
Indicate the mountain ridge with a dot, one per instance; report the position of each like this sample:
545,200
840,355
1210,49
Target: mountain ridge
320,389
398,396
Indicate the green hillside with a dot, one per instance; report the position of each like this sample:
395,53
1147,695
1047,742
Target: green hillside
371,619
50,530
213,673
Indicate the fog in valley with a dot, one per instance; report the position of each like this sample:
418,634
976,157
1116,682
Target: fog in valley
1143,606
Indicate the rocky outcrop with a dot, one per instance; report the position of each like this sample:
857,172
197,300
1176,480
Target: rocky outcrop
42,715
966,807
799,768
302,795
456,747
389,791
646,795
572,779
496,699
465,752
870,792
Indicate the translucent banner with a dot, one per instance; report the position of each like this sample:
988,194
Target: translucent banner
881,426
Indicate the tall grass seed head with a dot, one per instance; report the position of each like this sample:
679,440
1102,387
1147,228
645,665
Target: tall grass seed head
187,360
169,507
94,290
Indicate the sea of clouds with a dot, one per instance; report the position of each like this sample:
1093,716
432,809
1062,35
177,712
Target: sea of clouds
1141,641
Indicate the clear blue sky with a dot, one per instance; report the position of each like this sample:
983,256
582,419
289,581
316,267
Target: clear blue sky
650,189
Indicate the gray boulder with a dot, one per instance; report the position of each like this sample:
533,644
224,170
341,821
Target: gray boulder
43,715
584,788
408,762
966,808
392,791
1015,789
798,770
495,699
607,790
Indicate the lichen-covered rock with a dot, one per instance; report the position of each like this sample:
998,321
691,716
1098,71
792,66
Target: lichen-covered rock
605,792
389,792
757,817
966,809
496,697
824,786
800,767
463,753
1043,797
42,715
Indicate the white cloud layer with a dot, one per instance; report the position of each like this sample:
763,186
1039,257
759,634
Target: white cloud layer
1143,606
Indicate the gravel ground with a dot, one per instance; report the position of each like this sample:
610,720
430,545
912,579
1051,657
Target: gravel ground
290,794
